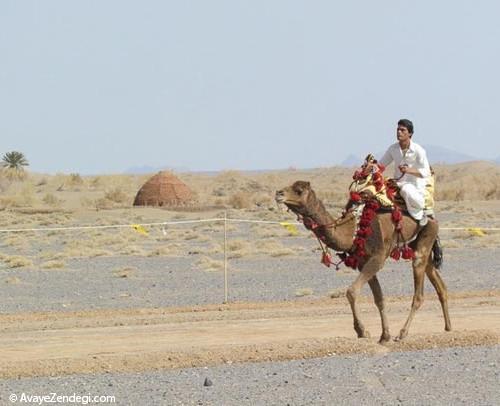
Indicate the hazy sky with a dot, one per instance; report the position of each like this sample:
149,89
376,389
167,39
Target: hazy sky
101,86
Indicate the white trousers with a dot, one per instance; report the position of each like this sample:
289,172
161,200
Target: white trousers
414,198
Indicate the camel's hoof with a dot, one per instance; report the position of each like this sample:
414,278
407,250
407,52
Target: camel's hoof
364,334
384,339
401,335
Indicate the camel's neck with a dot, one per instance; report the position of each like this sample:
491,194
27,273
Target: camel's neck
338,234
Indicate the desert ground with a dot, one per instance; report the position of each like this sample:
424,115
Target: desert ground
99,296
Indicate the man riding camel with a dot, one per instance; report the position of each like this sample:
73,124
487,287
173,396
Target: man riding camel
411,170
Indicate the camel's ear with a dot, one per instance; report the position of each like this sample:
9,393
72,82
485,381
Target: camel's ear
308,185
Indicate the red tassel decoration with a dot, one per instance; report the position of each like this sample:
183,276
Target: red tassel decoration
407,252
326,259
396,254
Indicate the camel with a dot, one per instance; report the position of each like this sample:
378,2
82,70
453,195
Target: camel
338,235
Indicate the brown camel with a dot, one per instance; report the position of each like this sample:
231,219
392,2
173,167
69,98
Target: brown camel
338,235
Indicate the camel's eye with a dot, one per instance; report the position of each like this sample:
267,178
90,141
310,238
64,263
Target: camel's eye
299,192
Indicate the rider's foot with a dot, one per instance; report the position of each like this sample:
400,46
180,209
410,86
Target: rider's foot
423,221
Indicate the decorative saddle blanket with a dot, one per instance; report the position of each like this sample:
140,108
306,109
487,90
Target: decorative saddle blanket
369,183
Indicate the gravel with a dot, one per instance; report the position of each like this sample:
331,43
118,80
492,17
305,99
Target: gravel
452,376
92,283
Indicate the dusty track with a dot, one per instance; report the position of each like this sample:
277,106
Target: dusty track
39,344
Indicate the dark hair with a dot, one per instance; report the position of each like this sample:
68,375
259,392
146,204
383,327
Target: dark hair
404,122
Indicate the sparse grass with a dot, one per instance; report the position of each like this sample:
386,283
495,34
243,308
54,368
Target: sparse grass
16,261
126,272
132,250
336,293
273,248
85,252
209,264
12,280
170,250
51,256
303,292
53,265
240,200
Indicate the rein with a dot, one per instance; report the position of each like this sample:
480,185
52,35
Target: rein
310,224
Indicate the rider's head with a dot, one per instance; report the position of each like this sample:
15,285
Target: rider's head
405,123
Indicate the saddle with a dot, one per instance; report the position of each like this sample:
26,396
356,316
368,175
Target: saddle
369,183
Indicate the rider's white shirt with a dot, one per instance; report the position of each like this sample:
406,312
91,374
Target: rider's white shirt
415,157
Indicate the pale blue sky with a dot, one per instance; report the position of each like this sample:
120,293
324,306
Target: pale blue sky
101,86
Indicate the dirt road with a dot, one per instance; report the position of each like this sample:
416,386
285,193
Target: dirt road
41,344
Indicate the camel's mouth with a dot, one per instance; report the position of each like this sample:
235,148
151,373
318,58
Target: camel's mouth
283,198
280,197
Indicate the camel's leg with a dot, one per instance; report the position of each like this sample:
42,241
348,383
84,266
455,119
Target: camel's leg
441,291
379,301
369,270
418,295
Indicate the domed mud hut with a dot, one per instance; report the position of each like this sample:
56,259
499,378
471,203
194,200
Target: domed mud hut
163,189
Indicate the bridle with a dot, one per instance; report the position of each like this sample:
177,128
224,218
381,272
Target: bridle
319,232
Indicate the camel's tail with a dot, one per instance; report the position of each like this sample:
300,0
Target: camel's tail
437,254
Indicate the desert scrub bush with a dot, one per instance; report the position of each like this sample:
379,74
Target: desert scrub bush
126,272
117,195
51,256
240,200
53,265
74,181
238,248
16,261
173,250
85,252
132,250
209,264
273,248
303,292
50,200
337,293
25,197
12,280
87,203
190,235
95,183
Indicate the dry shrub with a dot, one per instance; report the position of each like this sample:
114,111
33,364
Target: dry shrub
85,252
209,264
15,240
273,248
74,180
51,256
240,200
50,200
336,293
189,235
303,292
167,251
16,261
117,195
53,265
25,197
126,272
238,249
132,250
12,280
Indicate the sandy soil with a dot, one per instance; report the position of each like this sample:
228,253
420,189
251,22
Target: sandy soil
59,343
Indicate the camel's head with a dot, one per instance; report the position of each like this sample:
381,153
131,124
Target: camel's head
296,197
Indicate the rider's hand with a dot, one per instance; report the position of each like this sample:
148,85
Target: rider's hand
403,168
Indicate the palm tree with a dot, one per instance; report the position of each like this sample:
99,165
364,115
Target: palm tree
13,164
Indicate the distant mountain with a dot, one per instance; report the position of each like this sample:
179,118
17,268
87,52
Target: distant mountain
352,160
442,155
139,170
